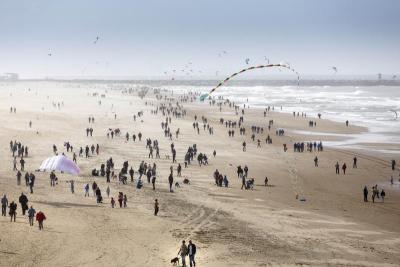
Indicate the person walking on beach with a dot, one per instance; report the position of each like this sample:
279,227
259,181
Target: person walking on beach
337,167
27,179
365,194
316,161
108,191
192,253
355,163
22,161
12,210
15,164
125,200
153,182
31,215
4,204
383,195
344,167
72,186
40,217
112,202
373,194
23,200
170,181
52,179
183,251
244,146
19,178
131,173
31,182
156,207
179,170
393,164
86,190
243,182
120,199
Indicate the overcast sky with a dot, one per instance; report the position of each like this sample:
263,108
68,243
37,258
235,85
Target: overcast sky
153,36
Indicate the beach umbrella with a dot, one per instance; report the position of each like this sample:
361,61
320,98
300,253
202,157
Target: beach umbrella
60,163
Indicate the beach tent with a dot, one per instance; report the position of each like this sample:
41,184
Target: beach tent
60,163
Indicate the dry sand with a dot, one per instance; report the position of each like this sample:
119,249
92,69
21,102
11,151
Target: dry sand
231,227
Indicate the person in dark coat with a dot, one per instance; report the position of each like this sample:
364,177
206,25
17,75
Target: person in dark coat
365,194
12,210
156,207
191,253
23,200
171,181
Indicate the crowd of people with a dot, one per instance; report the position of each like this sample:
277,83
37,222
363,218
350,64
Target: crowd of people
147,171
25,210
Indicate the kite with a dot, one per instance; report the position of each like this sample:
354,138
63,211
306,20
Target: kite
60,163
49,54
394,77
334,69
97,38
281,65
247,61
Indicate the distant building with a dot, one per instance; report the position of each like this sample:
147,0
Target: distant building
9,76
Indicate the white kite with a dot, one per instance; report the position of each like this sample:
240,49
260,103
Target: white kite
60,163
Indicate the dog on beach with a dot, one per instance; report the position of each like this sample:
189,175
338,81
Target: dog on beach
175,261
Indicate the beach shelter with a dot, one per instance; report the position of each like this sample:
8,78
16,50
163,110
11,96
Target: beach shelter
60,163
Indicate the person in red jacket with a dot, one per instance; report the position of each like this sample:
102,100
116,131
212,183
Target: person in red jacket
40,217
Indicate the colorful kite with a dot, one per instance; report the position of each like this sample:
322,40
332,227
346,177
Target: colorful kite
204,96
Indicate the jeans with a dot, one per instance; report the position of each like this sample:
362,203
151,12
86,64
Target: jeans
183,260
191,260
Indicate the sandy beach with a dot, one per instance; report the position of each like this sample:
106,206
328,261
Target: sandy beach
307,216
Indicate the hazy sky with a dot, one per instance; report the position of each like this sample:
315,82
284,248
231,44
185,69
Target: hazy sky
152,36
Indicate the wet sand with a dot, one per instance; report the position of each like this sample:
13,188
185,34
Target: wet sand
231,227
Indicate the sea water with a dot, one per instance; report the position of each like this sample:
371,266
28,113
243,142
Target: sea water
373,107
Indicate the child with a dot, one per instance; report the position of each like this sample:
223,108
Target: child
112,202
